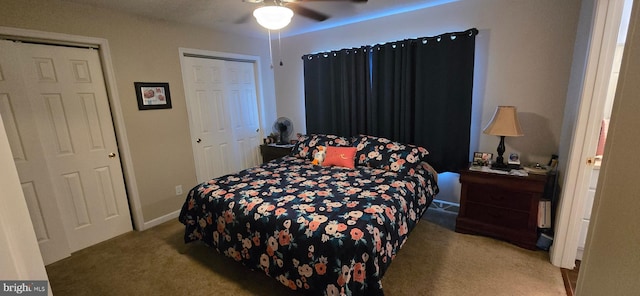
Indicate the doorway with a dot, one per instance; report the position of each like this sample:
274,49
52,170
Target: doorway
57,116
609,21
602,137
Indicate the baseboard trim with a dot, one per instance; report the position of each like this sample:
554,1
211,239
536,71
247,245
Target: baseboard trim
445,206
162,219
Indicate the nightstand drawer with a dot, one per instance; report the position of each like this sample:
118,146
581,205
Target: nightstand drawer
497,216
492,195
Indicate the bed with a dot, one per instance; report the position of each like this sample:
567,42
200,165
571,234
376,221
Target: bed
320,229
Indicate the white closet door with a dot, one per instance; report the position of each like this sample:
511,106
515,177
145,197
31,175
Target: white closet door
224,123
70,113
29,157
245,122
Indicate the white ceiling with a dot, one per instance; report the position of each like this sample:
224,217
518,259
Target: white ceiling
224,14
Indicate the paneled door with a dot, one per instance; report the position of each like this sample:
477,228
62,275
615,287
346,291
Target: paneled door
244,120
28,156
223,115
64,144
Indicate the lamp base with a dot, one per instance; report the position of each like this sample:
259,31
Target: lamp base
499,164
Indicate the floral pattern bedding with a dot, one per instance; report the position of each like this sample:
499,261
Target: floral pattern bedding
320,230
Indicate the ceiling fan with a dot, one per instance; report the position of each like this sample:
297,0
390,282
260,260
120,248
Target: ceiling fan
295,6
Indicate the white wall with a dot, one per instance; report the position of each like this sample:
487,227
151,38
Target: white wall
574,92
523,58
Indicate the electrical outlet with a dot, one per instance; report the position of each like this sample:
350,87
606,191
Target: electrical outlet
178,189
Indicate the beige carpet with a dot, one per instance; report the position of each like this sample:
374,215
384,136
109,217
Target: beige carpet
434,261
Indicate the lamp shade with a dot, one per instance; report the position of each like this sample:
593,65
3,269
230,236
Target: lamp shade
504,123
273,17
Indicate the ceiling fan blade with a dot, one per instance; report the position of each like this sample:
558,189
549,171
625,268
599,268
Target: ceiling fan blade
243,19
293,1
310,13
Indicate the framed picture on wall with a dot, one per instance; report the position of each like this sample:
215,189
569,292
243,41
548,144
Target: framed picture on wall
153,95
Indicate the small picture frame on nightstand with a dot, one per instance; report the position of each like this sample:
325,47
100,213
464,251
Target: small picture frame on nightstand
482,158
514,158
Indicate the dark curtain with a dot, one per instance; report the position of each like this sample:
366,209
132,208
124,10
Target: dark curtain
392,95
420,92
426,85
337,87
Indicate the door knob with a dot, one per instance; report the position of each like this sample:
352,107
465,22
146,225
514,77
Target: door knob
198,140
112,155
257,130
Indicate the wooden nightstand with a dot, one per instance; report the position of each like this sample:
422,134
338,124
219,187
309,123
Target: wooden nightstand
270,152
501,206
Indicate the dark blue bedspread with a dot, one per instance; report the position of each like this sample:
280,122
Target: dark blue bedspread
321,230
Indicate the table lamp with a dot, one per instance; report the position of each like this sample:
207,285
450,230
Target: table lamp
504,123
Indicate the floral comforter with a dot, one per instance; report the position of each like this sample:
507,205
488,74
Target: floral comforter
322,230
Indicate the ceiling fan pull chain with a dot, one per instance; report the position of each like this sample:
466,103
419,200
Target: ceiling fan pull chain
280,48
270,51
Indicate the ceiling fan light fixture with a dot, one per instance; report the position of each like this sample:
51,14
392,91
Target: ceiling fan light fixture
273,17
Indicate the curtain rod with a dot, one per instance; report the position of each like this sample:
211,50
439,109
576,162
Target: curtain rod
469,32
